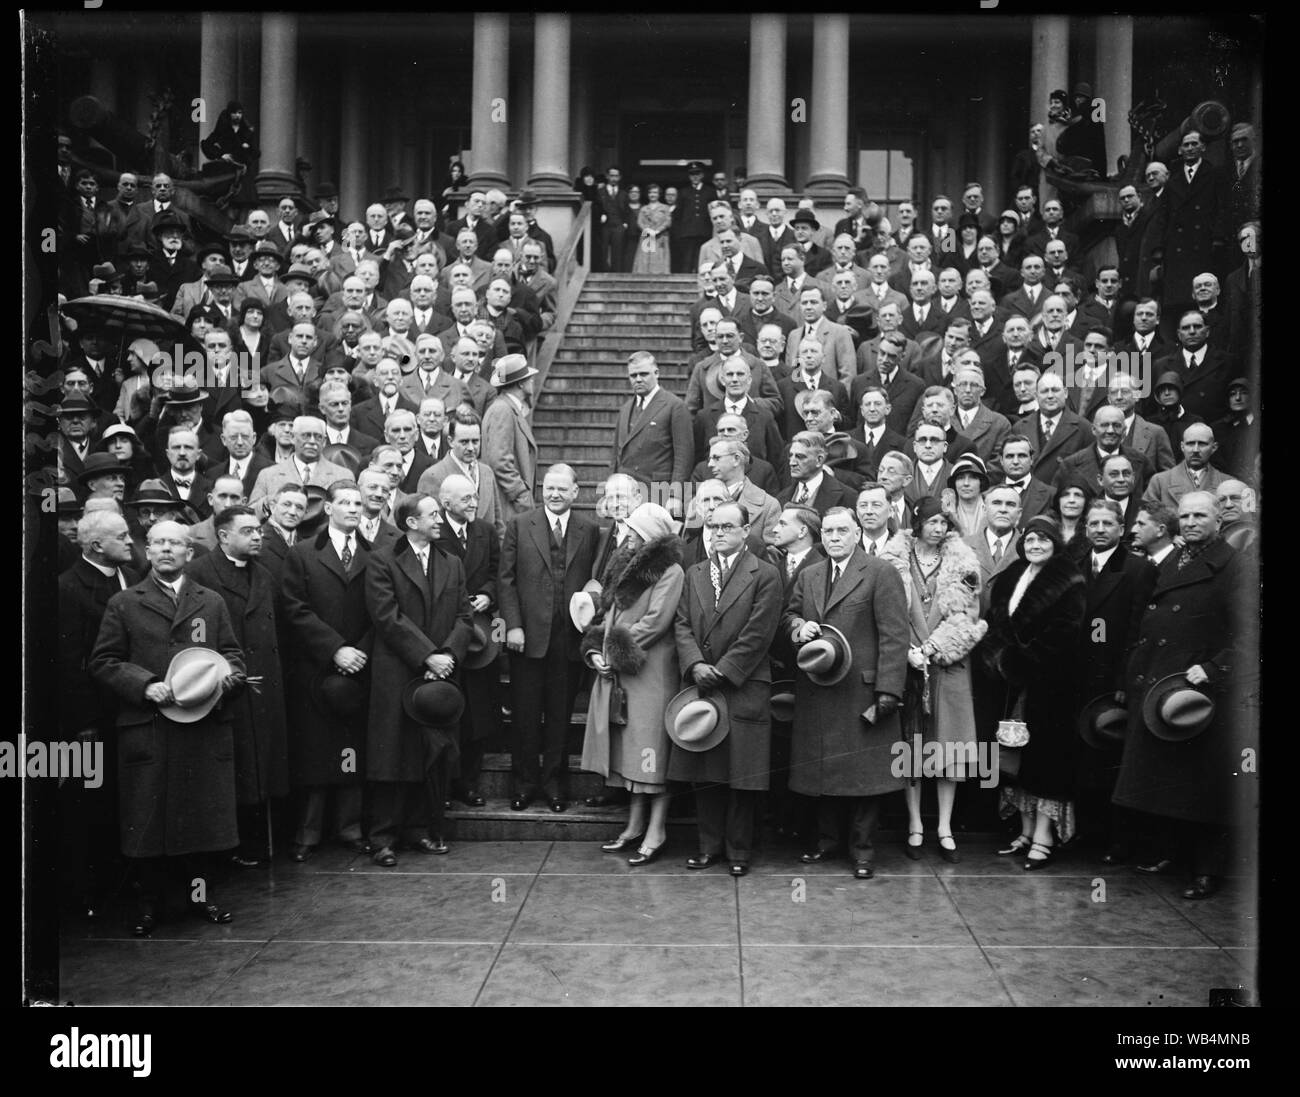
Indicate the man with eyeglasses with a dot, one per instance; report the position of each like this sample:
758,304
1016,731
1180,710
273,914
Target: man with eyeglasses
1189,231
1130,235
735,428
1206,292
930,475
306,466
1204,369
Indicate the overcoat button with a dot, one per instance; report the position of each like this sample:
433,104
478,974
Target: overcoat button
1175,609
1151,605
1161,643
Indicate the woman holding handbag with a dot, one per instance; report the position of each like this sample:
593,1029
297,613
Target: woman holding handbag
1036,609
654,220
632,648
942,577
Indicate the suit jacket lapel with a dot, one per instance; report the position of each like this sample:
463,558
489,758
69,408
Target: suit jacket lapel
854,575
185,604
330,561
541,527
738,578
409,562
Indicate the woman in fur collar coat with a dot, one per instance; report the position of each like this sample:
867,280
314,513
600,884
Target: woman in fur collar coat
633,638
1035,613
942,578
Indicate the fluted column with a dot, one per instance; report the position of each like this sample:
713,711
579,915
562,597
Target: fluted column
551,79
278,96
488,97
829,109
352,136
765,154
1114,83
217,66
1049,68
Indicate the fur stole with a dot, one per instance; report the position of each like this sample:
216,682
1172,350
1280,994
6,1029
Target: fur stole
956,595
1043,634
636,573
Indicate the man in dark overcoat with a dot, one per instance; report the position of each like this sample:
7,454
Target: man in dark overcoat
415,595
1193,624
257,714
176,780
844,733
330,633
723,637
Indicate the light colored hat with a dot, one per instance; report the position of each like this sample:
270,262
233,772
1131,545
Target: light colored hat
1175,710
650,521
509,370
697,723
582,610
194,677
827,659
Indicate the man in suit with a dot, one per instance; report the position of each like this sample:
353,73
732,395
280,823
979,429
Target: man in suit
612,215
1055,430
903,389
401,429
466,357
811,483
509,448
738,252
417,599
1145,337
227,491
1108,436
477,221
704,388
298,369
87,711
462,459
763,437
919,250
265,284
476,544
937,365
774,236
809,375
1053,229
653,439
939,406
691,226
728,463
1193,473
431,439
335,400
759,473
726,620
1190,229
178,800
845,722
976,422
386,380
1148,439
995,545
876,290
923,316
761,311
839,359
1201,366
546,558
851,307
305,467
1027,298
815,258
324,604
378,503
1000,357
140,220
930,473
1017,464
1130,245
181,476
1243,189
873,435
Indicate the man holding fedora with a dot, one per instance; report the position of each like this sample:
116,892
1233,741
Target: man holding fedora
1182,759
847,617
167,649
726,620
325,613
475,544
415,595
251,595
509,448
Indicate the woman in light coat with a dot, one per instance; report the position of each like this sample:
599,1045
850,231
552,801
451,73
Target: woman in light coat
942,579
632,644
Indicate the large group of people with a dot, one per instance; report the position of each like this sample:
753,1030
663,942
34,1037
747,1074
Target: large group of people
930,484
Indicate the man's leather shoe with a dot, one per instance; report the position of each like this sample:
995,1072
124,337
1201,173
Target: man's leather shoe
519,803
146,921
739,870
863,871
557,804
1202,887
210,912
385,857
609,799
1155,868
703,860
301,853
817,856
472,798
358,845
429,845
243,860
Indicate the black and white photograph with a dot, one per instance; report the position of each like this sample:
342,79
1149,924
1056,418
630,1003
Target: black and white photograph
643,508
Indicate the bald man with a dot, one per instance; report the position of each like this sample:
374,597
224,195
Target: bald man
1193,473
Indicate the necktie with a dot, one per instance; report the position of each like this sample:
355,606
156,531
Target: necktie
640,407
1049,425
427,381
715,576
1190,173
472,469
871,549
347,554
790,565
801,496
182,485
170,591
1241,168
424,560
836,571
1096,566
557,535
1191,360
464,539
997,550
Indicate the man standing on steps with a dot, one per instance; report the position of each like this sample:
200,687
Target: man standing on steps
691,225
546,559
509,448
653,440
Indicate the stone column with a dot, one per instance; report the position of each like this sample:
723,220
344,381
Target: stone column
103,82
217,67
993,150
353,134
768,106
1049,68
829,109
489,129
278,97
551,76
1114,84
146,86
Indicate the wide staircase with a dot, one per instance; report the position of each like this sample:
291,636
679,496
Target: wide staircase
586,383
615,315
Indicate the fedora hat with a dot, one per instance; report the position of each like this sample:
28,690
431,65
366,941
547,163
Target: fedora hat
1102,723
210,249
148,291
527,198
697,723
239,234
222,275
100,464
340,453
1175,710
783,701
342,694
805,217
265,247
68,503
827,659
510,370
153,493
299,271
582,610
105,272
137,251
77,404
315,516
183,395
483,645
432,702
395,194
194,677
327,190
167,221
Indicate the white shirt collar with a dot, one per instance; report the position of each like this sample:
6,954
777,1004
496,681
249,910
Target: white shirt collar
1158,557
1099,559
103,569
338,539
231,559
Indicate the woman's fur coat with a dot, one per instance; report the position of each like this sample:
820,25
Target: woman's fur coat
956,597
637,571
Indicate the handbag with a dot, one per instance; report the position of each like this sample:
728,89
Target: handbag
1013,731
617,705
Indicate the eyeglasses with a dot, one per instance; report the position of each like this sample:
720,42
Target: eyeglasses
725,527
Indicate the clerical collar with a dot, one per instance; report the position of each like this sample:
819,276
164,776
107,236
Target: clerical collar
103,569
237,563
